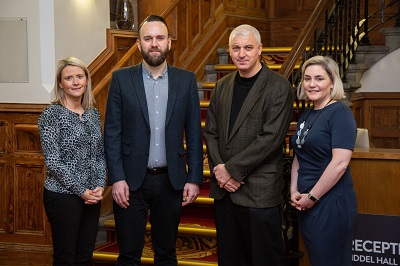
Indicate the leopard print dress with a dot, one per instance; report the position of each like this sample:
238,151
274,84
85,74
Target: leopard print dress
73,150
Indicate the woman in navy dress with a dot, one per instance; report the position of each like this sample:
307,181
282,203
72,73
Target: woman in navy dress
321,184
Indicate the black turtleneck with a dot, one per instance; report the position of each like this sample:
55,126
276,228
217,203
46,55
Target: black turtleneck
240,92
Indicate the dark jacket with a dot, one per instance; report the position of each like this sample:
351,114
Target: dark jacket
127,128
254,150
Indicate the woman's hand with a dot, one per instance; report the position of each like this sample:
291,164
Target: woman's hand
93,196
301,201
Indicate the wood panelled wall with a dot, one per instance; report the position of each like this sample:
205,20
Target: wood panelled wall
380,114
24,230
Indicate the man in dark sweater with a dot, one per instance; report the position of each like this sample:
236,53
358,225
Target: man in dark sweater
247,120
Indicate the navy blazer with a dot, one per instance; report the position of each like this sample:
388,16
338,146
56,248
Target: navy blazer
127,128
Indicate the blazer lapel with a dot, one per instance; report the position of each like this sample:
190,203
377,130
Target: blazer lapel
250,101
173,88
138,87
226,96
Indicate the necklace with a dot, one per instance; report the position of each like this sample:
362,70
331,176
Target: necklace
300,142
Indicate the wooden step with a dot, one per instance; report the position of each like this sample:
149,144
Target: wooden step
196,242
279,50
208,85
296,105
196,219
196,231
271,56
110,258
188,226
232,67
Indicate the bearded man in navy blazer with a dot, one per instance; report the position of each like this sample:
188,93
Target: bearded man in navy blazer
152,110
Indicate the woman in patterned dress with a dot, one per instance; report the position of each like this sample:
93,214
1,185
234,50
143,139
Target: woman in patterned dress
72,144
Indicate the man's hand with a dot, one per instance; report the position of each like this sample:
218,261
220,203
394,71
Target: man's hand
232,185
221,174
190,193
120,193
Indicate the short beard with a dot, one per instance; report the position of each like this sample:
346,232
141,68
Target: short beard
155,61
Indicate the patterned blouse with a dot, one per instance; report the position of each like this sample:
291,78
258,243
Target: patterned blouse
73,150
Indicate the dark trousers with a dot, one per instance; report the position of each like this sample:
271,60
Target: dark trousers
165,204
74,227
248,236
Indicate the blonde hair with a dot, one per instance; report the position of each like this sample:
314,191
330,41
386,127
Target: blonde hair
245,30
331,68
87,98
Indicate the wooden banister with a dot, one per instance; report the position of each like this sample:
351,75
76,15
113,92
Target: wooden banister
169,9
122,63
301,43
129,57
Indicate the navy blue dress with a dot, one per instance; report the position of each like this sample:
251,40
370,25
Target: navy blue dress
327,228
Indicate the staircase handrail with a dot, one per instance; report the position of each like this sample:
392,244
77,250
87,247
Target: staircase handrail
127,59
169,9
301,42
354,31
383,19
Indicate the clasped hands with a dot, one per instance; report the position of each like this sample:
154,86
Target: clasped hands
301,201
93,196
225,180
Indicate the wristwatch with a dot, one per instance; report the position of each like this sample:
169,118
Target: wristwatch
311,197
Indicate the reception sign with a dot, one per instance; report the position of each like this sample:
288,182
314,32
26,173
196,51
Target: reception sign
376,240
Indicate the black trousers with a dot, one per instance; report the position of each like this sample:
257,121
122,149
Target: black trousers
165,204
248,236
74,227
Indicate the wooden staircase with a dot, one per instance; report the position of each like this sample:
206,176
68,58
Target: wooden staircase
196,243
273,57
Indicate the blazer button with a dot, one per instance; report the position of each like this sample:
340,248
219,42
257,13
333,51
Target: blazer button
148,130
147,154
